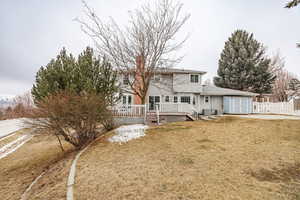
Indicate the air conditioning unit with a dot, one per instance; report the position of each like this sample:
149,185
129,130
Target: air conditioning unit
207,112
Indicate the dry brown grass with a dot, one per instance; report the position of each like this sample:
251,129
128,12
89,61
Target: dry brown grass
19,169
230,158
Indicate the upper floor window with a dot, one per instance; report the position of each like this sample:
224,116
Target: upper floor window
194,78
126,79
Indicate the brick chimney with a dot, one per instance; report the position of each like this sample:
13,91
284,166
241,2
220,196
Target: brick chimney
140,67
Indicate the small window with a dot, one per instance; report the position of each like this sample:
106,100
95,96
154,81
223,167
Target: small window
175,99
206,99
194,78
185,99
126,79
129,99
156,77
124,100
167,99
194,101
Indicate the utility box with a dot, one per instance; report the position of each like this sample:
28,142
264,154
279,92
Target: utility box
208,112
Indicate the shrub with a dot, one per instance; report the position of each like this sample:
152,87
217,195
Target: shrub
73,116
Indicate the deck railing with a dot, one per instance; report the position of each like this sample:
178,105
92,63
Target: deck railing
172,108
129,110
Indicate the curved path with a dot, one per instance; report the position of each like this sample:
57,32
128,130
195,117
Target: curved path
259,116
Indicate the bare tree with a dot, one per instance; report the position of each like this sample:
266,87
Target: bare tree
144,46
277,63
280,89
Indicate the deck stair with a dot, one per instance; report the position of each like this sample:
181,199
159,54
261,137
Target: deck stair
212,117
206,118
190,117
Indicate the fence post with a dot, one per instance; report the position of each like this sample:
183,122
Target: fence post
157,113
145,113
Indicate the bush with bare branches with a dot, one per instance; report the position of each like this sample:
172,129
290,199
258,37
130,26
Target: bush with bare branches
73,116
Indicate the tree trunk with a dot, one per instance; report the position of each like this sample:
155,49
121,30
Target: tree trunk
60,144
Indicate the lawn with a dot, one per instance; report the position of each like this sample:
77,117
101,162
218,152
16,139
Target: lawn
40,154
230,158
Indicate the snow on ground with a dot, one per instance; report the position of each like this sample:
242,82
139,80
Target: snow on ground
14,145
130,132
269,117
9,126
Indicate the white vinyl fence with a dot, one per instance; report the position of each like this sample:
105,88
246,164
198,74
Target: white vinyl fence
175,107
275,108
129,111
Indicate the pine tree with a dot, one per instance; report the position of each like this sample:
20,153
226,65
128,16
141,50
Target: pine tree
293,3
88,73
243,65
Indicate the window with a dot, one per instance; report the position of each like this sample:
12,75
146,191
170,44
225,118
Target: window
194,78
167,99
129,100
185,99
156,77
126,79
124,100
194,101
175,99
206,99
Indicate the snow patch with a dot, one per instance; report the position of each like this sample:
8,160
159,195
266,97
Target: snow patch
14,145
9,126
127,133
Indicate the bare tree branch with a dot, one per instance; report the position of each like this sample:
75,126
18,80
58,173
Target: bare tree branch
148,42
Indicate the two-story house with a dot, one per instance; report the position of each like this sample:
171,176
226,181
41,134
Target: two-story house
181,91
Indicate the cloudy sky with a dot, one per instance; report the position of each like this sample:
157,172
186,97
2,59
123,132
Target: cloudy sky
34,31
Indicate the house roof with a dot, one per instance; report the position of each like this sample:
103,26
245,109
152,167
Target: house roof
217,91
180,71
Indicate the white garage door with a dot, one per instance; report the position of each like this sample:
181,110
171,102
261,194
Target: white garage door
237,105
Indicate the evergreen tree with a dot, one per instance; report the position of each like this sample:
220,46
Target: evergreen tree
293,3
88,73
243,65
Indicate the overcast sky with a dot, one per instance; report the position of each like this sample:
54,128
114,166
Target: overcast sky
34,31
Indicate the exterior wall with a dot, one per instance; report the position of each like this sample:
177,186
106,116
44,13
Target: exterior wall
118,121
171,118
215,103
182,83
162,87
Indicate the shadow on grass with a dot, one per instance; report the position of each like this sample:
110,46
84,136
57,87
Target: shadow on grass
287,173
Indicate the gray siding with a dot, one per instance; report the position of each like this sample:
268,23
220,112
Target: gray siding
215,103
162,87
182,83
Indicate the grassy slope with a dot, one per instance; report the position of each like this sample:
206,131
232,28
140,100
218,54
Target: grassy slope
20,168
228,159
